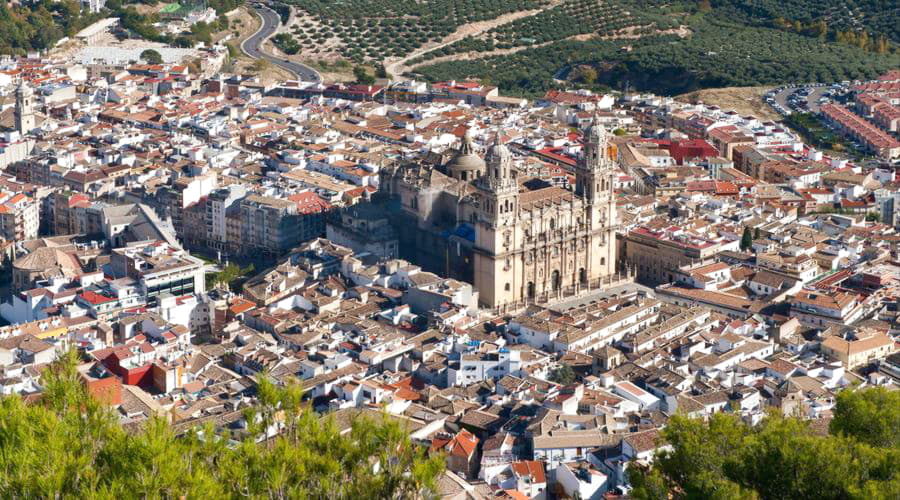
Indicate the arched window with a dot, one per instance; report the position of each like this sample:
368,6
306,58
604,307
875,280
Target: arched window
506,287
582,275
555,280
602,261
530,290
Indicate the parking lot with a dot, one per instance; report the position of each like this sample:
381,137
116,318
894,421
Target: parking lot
804,98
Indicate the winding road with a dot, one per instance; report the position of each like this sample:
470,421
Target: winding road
252,46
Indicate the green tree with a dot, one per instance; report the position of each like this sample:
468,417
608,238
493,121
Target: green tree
746,239
756,233
70,445
701,454
586,75
233,52
380,71
362,76
151,56
781,457
562,374
871,415
232,275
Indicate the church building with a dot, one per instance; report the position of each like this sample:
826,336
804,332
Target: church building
515,239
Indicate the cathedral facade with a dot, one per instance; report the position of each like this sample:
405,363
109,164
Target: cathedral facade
515,239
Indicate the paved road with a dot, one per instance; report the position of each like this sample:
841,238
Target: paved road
252,46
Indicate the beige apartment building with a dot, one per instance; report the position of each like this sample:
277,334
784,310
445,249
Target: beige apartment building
859,350
656,255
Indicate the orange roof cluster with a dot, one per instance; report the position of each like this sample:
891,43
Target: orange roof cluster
865,130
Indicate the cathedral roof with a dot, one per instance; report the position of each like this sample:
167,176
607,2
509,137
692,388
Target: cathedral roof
466,160
547,195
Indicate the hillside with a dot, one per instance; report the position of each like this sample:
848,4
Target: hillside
876,17
665,48
376,30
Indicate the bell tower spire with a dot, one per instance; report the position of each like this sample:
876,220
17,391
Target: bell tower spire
24,112
499,177
499,186
594,170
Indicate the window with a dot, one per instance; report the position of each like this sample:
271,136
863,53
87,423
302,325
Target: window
506,288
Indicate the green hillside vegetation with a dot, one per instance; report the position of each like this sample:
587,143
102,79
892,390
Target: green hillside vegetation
40,25
875,17
374,30
719,53
70,446
142,26
570,18
724,458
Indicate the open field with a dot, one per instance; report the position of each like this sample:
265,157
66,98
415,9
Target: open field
744,100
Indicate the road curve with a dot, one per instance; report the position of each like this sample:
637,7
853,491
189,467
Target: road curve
252,46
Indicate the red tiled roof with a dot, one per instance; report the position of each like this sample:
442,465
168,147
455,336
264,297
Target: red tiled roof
95,298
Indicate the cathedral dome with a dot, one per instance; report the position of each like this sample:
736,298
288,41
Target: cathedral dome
466,164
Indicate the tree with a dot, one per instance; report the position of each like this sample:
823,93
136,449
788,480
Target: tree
871,415
151,56
756,233
781,457
873,217
232,50
563,374
746,239
362,76
260,65
70,445
380,71
231,275
586,75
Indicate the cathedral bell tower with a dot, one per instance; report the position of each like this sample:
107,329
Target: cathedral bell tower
593,174
497,232
24,112
594,184
501,193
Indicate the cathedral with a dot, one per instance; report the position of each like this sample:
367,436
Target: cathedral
515,239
